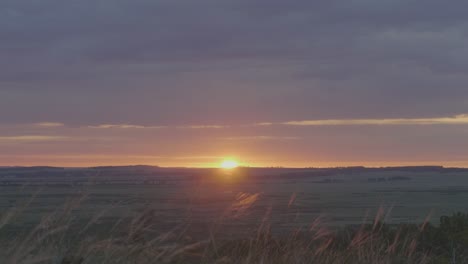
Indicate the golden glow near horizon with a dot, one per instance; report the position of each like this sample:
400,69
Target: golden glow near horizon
229,164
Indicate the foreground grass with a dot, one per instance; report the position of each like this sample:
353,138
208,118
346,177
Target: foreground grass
60,238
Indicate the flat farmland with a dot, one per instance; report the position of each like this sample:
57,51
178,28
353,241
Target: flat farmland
287,202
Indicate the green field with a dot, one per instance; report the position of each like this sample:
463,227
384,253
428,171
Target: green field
228,207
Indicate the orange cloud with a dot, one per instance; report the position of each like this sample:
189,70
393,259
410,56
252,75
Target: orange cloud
124,126
32,138
49,124
454,120
260,138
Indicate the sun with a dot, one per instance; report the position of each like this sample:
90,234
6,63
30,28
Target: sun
229,164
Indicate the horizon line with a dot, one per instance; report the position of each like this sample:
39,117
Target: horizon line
241,167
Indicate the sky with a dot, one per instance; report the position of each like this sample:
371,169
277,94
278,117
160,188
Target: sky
265,82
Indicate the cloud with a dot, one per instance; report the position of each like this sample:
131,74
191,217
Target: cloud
49,124
262,60
260,138
264,124
250,60
454,120
32,139
460,119
203,127
131,126
125,126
